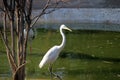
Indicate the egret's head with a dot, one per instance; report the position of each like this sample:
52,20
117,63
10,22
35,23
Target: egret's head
65,27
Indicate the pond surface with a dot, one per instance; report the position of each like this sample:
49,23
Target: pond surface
88,55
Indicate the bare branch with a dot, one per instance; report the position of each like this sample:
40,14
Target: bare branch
36,18
6,7
29,7
6,45
12,10
10,57
54,8
28,21
5,40
43,10
3,34
48,4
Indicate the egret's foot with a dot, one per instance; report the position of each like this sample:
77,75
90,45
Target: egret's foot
57,76
53,74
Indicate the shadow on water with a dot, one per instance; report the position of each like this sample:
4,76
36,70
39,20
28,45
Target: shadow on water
87,56
78,56
72,55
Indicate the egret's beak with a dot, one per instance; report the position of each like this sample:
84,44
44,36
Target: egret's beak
68,29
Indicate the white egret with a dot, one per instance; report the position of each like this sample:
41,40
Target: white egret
54,52
31,36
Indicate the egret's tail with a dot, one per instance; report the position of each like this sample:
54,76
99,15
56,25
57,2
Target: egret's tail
43,62
40,65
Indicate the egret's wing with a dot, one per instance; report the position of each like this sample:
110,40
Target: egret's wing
50,56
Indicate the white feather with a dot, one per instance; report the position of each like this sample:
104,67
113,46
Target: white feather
54,52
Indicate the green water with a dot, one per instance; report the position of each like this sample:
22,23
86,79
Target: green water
88,55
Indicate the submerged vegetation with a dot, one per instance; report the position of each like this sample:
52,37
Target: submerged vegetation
88,55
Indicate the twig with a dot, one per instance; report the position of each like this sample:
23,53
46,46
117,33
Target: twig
36,18
10,57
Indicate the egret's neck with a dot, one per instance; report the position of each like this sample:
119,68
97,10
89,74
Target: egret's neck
63,39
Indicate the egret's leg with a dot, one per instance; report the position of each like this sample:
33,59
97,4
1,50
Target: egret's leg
50,70
51,73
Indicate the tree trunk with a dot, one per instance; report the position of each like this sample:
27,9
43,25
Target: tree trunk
20,74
